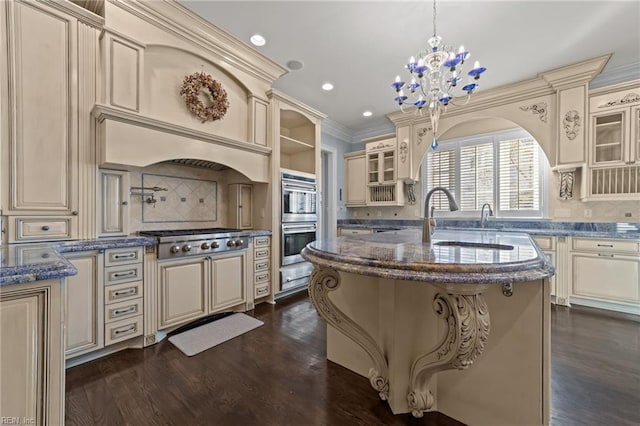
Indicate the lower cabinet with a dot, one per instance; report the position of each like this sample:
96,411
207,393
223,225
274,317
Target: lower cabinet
83,301
194,287
32,364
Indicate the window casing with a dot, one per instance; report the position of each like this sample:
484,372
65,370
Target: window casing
508,170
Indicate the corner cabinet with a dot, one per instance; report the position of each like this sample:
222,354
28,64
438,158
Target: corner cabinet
614,155
46,155
355,175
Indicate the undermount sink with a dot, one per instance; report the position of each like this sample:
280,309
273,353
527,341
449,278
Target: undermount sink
474,245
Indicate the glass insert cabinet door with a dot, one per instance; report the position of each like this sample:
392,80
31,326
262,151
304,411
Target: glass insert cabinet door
609,136
381,167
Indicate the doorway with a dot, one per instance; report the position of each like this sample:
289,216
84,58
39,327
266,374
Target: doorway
329,193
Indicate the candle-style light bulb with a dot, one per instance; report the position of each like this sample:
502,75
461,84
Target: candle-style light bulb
412,60
398,79
476,65
461,49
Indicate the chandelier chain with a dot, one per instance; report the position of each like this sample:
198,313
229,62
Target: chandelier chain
434,18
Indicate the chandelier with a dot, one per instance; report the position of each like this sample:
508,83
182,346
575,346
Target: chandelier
435,79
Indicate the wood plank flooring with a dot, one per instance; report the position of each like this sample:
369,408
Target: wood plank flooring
278,375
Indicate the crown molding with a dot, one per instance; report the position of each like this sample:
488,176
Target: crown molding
76,11
615,75
273,93
379,127
575,74
177,19
337,130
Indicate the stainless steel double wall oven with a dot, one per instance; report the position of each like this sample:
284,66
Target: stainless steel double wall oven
299,226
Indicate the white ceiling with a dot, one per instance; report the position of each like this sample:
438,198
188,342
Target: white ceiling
360,46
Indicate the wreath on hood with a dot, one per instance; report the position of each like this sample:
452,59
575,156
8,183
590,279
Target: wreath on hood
219,103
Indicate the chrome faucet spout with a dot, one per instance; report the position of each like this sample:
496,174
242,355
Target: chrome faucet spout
429,224
484,218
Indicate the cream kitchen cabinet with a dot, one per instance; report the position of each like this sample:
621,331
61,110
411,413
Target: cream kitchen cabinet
83,301
32,353
240,204
48,88
113,202
615,144
194,287
355,179
261,266
606,273
383,186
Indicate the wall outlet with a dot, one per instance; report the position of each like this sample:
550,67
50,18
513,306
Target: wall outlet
588,213
355,213
628,214
416,212
379,213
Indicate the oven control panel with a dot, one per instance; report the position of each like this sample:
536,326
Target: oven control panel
201,247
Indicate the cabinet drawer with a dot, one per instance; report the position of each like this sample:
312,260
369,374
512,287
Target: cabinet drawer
122,310
545,243
42,228
119,292
261,253
122,330
262,290
122,274
122,256
261,242
261,265
353,231
606,245
261,277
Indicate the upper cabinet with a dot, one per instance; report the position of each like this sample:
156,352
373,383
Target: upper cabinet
46,156
297,132
383,186
615,143
355,176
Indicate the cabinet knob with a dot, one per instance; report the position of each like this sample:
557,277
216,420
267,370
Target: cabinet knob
125,203
45,228
75,212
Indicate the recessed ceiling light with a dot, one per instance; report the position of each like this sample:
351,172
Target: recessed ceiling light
367,113
258,40
327,86
294,65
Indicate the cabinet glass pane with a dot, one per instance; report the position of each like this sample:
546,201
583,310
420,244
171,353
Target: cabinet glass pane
636,132
373,168
387,159
608,138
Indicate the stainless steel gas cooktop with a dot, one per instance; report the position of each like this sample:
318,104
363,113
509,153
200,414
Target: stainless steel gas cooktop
191,242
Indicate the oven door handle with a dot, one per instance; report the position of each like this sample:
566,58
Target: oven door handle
301,188
289,279
299,228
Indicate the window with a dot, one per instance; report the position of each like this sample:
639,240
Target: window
506,170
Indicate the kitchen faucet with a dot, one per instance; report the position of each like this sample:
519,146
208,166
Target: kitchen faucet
429,224
484,218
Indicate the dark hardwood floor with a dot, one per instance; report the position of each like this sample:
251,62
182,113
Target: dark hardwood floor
278,375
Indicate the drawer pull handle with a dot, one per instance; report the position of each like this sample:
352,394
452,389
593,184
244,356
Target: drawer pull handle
261,266
129,310
262,253
126,292
605,245
605,255
45,228
123,274
262,277
262,290
131,329
124,256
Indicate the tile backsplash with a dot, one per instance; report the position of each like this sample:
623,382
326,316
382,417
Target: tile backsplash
185,199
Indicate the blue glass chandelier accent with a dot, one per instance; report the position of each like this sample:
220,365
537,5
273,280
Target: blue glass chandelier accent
435,80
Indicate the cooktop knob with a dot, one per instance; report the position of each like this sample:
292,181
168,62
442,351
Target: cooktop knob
205,246
239,243
186,248
231,243
174,249
214,244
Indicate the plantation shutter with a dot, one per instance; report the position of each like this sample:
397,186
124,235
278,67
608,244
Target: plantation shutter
519,176
441,172
476,176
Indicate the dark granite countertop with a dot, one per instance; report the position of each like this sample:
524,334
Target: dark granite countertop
402,255
22,263
622,230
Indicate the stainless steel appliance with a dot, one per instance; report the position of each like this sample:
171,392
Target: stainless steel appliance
192,242
299,196
295,236
295,275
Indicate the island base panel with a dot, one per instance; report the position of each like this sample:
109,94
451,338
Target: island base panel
507,384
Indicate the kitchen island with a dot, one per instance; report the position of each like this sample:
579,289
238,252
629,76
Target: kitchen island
460,325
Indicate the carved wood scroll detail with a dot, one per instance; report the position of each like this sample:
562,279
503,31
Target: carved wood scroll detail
404,151
324,280
629,98
422,133
566,183
572,123
539,108
468,324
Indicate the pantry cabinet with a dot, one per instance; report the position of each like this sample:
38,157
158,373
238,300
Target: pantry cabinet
48,90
